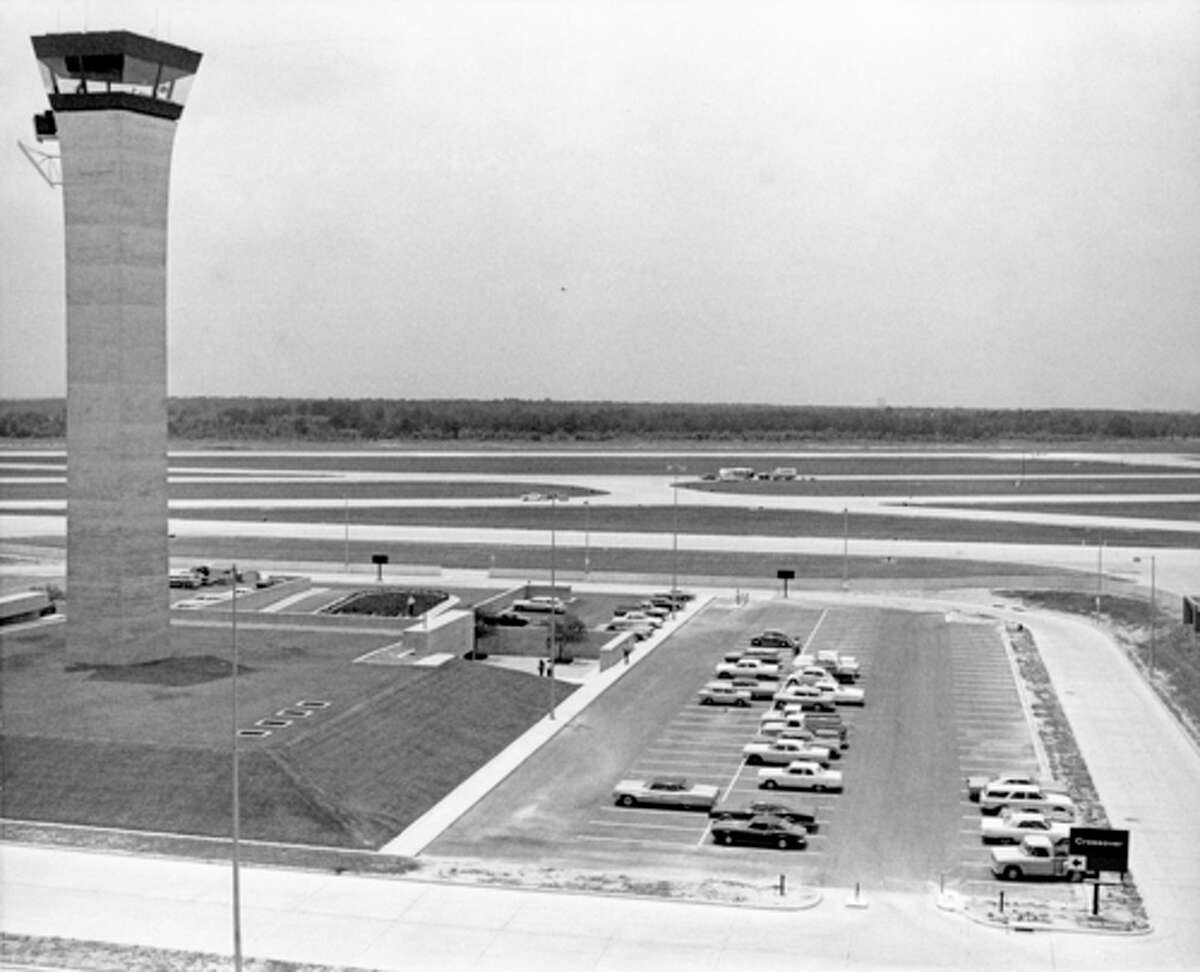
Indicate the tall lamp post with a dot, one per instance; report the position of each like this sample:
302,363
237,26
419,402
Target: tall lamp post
1153,609
845,547
587,538
236,807
551,648
675,471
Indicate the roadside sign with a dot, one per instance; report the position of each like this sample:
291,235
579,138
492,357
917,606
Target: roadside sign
1102,848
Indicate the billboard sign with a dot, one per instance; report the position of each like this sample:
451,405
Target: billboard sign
1103,848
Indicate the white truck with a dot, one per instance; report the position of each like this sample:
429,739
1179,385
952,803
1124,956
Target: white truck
1037,857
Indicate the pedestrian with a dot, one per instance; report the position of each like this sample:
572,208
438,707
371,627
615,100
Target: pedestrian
625,652
541,668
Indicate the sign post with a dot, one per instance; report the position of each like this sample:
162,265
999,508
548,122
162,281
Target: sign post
785,575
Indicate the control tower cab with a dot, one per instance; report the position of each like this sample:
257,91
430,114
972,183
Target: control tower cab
114,70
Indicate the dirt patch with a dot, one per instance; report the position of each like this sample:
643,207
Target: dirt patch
173,672
56,953
677,887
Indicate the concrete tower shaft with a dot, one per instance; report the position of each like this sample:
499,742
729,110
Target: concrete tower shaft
115,120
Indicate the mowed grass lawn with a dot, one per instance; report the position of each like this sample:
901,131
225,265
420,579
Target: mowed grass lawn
131,749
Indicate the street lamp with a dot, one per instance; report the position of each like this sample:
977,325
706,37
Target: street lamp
845,547
1153,608
551,649
587,537
675,471
236,804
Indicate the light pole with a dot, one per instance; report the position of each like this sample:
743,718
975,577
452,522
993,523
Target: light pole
845,547
236,808
675,471
346,554
587,538
551,650
1099,575
1153,607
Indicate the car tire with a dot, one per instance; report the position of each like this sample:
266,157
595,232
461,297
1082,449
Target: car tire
783,843
706,701
1011,873
741,703
726,838
756,642
769,784
627,801
753,759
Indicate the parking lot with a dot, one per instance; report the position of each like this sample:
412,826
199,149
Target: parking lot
941,704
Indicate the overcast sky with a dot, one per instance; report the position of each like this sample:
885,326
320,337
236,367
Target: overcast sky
958,203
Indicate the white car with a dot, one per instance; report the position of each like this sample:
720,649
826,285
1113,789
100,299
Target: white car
846,694
722,693
809,674
540,604
977,784
643,617
754,667
783,750
828,738
666,791
1011,825
800,775
842,694
640,629
807,697
997,796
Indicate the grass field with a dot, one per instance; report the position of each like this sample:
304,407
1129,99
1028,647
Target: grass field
145,753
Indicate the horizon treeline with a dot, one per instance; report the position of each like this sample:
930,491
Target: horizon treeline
376,419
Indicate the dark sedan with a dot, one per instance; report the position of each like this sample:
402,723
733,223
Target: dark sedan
748,809
763,831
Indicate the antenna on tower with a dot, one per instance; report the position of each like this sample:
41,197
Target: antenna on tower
48,166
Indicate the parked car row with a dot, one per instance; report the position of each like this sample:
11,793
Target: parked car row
800,735
645,617
1031,821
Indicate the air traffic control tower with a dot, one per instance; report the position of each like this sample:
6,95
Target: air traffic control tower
115,98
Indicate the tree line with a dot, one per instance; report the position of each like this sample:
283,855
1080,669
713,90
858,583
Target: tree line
379,419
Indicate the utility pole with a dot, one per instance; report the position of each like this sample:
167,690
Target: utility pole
552,648
1153,611
675,471
587,539
845,547
237,810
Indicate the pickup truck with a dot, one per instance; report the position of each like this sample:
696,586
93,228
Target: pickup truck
1036,856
